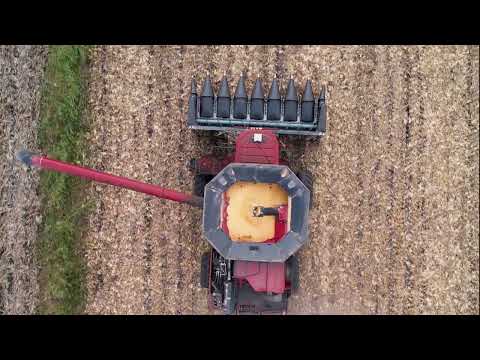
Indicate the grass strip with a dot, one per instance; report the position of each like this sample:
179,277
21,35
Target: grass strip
62,130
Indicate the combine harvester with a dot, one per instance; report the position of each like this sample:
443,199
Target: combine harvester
255,208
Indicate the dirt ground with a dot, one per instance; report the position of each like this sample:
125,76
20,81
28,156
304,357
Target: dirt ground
394,228
21,71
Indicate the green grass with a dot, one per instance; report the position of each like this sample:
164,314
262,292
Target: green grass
62,130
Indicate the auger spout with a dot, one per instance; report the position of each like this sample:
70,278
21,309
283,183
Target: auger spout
45,163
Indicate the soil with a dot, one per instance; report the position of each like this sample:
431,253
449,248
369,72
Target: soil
21,72
394,227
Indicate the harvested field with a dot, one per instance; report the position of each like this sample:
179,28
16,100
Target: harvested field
21,71
394,228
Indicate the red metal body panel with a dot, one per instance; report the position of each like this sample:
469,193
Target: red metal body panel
265,152
223,223
264,277
280,225
105,178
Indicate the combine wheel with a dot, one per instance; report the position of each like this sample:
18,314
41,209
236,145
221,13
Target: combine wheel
306,177
292,269
204,270
199,182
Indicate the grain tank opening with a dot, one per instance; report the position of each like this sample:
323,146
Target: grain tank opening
242,199
291,227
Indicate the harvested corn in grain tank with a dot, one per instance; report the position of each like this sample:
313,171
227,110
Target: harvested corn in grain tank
243,197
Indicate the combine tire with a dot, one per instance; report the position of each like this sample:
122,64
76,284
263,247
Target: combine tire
204,270
306,177
199,183
293,273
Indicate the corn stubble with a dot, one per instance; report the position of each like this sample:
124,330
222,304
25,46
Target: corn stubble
394,227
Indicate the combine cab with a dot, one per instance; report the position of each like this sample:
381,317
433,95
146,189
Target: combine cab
255,208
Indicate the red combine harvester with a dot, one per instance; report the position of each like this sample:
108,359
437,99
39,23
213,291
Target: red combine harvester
255,208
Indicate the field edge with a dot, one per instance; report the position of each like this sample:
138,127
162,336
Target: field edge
61,135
